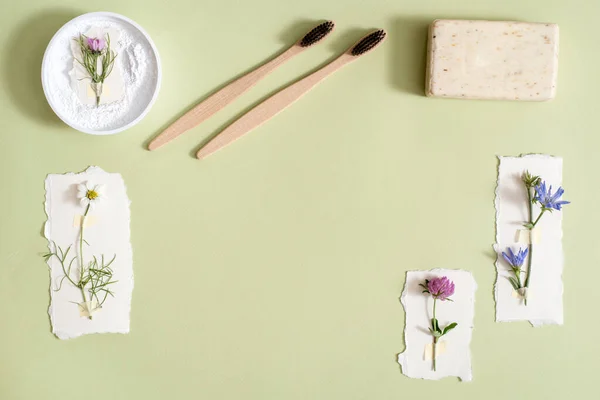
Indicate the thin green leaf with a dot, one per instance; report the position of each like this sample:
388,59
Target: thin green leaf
449,328
67,253
60,284
514,283
106,284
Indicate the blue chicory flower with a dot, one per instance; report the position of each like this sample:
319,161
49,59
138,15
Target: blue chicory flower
548,200
515,260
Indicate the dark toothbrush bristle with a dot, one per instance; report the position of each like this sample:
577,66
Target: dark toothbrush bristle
368,43
318,33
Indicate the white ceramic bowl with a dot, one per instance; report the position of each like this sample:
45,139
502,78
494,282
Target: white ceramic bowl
58,62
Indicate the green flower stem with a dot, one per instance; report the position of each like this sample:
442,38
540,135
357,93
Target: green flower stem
538,218
530,256
533,225
434,338
81,264
530,204
433,352
85,301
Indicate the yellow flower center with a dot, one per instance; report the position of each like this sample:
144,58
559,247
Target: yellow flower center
91,194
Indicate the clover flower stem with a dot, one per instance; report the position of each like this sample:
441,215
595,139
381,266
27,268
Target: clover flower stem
433,352
433,348
81,260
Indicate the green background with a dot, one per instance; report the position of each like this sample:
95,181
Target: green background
272,269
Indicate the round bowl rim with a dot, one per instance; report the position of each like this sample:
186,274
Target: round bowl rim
158,73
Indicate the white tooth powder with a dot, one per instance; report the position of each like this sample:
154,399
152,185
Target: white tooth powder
138,65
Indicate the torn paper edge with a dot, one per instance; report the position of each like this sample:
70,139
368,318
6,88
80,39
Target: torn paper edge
48,228
401,357
534,322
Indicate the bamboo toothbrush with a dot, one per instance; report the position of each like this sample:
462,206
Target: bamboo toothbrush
226,95
282,99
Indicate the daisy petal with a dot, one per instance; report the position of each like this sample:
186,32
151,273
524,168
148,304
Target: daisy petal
84,201
100,189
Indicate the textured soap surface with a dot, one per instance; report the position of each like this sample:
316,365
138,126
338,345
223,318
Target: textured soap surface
492,60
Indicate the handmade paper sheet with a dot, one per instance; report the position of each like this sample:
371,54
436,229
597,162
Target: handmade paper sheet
453,352
106,232
544,295
113,87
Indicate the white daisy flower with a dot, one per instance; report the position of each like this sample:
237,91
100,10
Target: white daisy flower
90,193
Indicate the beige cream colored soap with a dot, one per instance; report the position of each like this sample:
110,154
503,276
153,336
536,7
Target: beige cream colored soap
492,60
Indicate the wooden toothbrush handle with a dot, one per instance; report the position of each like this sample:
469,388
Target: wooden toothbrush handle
220,99
270,107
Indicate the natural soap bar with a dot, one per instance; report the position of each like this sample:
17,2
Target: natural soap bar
492,60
